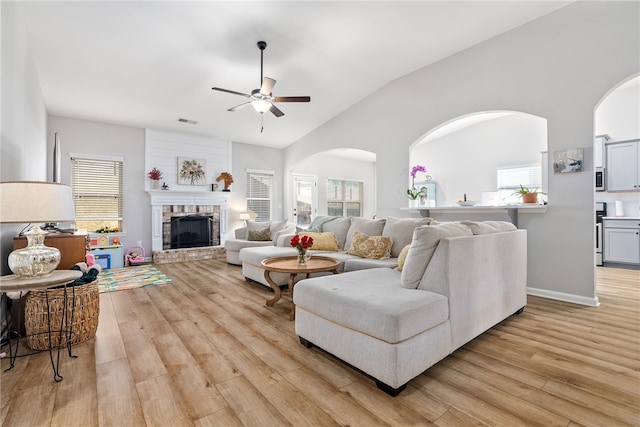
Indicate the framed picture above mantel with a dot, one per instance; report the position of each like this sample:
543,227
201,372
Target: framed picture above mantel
191,171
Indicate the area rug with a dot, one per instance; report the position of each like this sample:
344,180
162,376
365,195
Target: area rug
118,279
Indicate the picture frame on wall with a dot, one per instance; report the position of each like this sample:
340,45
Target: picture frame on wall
567,161
191,171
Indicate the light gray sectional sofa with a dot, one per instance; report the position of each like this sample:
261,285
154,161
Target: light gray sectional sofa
458,280
400,230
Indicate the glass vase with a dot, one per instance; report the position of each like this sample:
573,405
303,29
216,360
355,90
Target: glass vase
302,257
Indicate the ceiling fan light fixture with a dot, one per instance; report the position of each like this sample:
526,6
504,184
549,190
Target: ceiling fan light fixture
261,106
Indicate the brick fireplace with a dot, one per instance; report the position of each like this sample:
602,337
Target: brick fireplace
174,208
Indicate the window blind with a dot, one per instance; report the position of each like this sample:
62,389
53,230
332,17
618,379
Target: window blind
97,189
511,178
258,192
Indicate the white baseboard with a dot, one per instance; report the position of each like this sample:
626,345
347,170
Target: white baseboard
561,296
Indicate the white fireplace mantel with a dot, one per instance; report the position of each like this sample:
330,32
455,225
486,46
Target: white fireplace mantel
160,198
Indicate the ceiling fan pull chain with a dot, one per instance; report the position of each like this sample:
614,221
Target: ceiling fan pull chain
261,122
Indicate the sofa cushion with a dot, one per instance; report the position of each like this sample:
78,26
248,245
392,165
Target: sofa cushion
401,230
323,241
372,302
502,226
358,263
340,227
376,247
424,243
371,227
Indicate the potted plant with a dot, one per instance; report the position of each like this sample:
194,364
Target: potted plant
528,195
155,176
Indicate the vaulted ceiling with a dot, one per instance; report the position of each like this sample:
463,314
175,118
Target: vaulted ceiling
148,64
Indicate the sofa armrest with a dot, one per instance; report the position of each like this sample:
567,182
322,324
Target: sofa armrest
284,239
241,233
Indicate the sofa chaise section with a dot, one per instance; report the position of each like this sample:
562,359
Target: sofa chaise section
394,333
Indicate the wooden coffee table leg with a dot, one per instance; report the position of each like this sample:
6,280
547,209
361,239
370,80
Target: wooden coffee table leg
292,314
276,289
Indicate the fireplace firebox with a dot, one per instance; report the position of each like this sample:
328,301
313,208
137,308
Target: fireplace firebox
192,231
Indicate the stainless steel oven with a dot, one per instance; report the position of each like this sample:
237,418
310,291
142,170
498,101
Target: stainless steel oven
600,179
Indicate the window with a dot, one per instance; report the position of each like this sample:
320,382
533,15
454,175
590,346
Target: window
259,189
344,198
510,179
97,191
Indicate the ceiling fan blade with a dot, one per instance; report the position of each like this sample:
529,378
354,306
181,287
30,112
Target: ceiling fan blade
276,111
231,91
292,99
267,86
238,107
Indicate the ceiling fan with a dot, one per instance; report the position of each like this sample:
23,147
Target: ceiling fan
262,99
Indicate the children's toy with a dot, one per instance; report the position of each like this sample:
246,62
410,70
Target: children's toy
134,255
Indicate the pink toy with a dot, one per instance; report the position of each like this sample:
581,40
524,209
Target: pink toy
134,255
91,259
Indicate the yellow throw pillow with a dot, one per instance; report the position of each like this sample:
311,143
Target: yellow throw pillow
376,247
403,256
323,241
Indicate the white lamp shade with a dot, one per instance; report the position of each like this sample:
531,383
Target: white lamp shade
36,202
245,216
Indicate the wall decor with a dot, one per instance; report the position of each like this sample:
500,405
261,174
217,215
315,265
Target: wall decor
191,171
565,161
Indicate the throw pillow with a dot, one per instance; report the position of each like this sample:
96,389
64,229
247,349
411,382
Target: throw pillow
376,247
401,230
262,235
323,241
371,227
402,258
425,241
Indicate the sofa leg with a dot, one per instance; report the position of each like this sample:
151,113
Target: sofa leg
305,343
393,392
520,311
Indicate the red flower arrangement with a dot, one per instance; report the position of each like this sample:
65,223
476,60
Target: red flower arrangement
155,174
302,243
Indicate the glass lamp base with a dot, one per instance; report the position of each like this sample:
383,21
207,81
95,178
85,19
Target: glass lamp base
36,259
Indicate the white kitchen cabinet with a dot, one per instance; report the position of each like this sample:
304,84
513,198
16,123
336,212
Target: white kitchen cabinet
622,241
623,166
598,150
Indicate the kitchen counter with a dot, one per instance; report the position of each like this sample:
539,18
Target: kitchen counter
511,210
633,218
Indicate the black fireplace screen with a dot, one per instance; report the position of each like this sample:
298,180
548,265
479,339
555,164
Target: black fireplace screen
192,231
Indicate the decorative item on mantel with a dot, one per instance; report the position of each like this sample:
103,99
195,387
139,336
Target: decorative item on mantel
191,171
228,180
155,176
302,244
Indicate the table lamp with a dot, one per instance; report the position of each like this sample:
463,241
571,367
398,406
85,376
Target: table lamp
245,216
35,202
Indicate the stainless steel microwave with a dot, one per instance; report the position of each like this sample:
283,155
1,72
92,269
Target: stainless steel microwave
600,179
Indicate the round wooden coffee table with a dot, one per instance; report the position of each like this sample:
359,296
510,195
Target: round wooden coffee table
289,264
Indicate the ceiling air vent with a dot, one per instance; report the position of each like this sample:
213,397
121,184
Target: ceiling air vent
191,122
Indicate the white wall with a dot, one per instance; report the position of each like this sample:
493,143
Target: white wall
23,117
513,140
325,166
545,68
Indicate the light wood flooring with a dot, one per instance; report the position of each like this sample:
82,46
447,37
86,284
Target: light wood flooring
205,351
